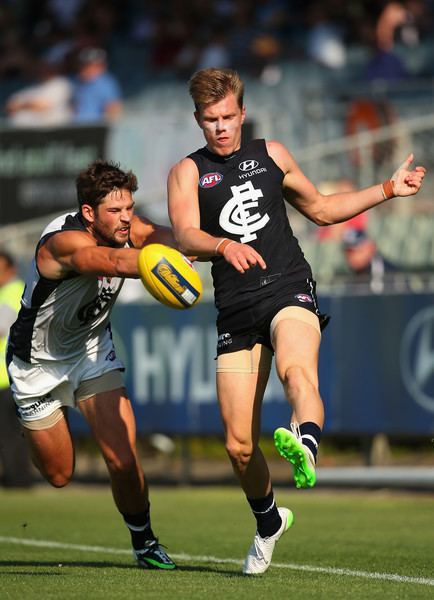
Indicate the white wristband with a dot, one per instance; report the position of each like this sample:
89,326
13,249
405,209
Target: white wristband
219,244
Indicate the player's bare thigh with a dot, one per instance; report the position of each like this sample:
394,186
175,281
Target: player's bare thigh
111,418
51,447
49,436
241,380
296,337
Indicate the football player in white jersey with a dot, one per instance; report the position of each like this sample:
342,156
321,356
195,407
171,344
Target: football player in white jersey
61,352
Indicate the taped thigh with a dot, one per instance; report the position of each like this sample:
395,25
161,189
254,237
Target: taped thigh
45,422
255,360
295,312
112,380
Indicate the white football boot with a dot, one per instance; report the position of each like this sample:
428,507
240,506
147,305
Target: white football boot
260,553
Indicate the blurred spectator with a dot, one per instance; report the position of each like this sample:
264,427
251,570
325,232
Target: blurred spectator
65,13
169,38
173,34
365,261
46,103
215,53
271,15
386,64
97,95
142,22
14,455
14,56
185,61
266,52
325,39
241,35
393,16
99,19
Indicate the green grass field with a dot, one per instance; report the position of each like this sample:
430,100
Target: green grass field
71,543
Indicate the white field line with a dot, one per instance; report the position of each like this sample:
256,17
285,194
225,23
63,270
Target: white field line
232,561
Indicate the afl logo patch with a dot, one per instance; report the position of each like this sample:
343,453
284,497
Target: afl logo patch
210,180
248,165
304,298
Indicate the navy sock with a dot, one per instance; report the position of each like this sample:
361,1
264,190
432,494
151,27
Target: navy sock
140,528
310,436
266,514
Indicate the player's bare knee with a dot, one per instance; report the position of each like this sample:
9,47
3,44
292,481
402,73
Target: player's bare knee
59,479
240,453
122,463
295,380
58,474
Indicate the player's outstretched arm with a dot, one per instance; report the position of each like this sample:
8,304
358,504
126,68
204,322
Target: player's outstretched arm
76,251
335,208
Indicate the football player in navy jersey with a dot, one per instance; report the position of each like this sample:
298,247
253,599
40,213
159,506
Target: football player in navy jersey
227,204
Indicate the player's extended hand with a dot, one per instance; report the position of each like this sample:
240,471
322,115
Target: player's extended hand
242,257
407,182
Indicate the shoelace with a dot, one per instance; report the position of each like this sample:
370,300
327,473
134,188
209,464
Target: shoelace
157,548
152,543
163,555
258,550
295,428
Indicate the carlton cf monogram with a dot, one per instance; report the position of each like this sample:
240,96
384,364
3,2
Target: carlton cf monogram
237,216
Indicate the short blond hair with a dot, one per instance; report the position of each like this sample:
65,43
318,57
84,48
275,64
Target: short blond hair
208,86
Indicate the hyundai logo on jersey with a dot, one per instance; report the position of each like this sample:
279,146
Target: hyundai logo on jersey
248,165
210,180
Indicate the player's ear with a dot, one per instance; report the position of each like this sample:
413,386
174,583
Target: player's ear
197,117
88,213
243,114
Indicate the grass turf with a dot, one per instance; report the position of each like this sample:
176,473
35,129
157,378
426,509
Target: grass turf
342,545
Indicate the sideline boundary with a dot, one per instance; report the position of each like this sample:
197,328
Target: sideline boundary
233,561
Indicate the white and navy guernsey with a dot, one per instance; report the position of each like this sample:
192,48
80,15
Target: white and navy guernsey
240,198
62,319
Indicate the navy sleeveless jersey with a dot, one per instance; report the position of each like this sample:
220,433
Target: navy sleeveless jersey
240,198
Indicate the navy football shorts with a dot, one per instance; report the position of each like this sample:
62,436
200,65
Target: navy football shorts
247,323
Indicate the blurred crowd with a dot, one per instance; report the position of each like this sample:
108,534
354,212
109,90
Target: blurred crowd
43,40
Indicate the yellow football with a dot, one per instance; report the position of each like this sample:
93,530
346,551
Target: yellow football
169,276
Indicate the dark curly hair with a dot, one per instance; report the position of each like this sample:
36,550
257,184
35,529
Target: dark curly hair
99,179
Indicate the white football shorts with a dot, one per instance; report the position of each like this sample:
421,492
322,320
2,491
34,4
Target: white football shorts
41,389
